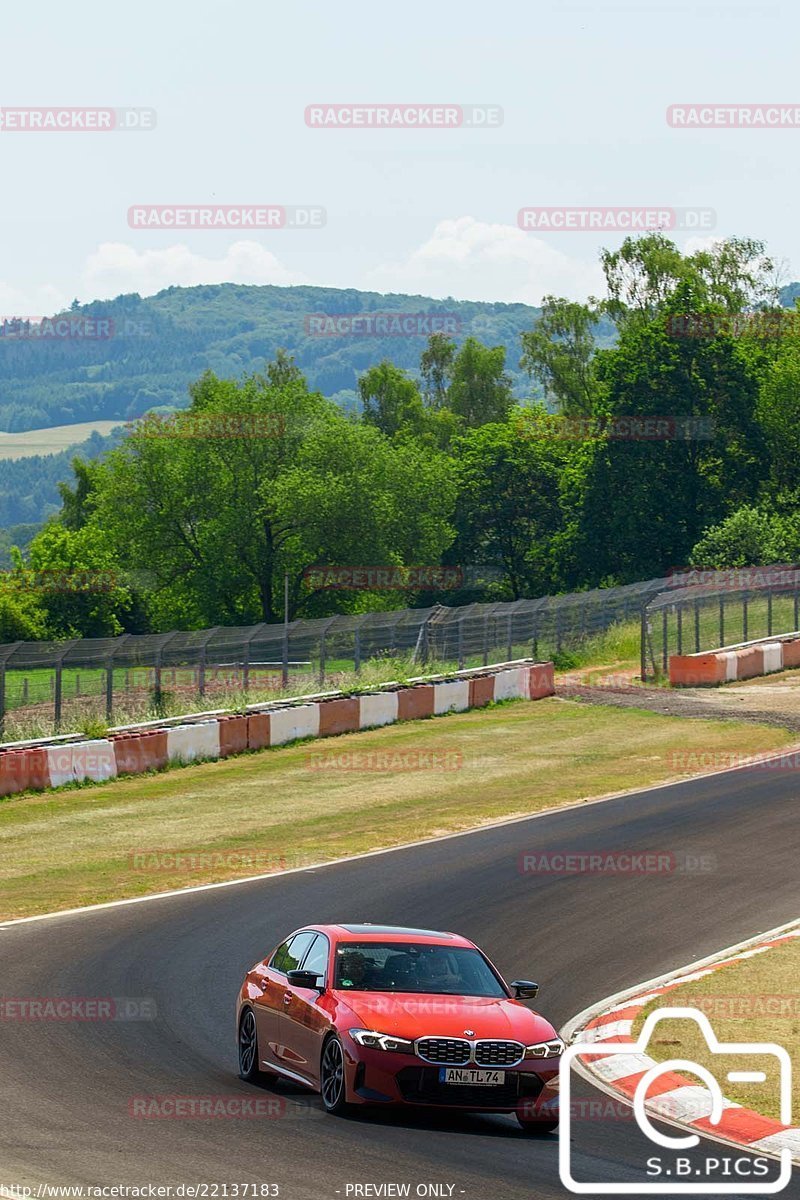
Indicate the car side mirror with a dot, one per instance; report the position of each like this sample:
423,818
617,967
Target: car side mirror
304,979
524,989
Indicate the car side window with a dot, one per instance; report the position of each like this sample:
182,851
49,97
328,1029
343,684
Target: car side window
317,957
289,955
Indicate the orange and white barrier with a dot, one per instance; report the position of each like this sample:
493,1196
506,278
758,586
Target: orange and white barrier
735,662
450,697
511,685
380,709
186,743
297,721
137,750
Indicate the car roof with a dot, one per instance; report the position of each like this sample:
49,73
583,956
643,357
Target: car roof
367,932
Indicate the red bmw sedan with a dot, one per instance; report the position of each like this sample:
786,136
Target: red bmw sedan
382,1015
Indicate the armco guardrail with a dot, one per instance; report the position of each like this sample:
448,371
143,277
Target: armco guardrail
135,750
744,661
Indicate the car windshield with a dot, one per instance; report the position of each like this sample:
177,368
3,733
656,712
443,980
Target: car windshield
414,967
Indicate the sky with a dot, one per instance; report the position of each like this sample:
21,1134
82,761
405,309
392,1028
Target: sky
583,89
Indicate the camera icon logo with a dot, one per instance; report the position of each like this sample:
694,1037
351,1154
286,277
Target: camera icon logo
709,1098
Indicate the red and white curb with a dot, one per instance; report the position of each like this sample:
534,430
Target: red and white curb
672,1097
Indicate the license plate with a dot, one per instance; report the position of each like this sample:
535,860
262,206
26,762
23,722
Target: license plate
471,1077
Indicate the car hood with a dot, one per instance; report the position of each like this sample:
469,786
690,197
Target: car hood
411,1015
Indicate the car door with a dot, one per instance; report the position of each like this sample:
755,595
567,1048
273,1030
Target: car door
270,1004
305,1019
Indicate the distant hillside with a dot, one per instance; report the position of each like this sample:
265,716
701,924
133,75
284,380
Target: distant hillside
160,344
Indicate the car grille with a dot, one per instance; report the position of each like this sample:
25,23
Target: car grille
498,1054
420,1085
453,1051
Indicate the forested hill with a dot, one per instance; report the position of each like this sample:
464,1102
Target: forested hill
151,349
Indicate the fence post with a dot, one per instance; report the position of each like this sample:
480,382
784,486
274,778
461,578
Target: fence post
535,637
697,626
796,606
323,649
680,629
57,697
110,688
664,640
510,653
357,649
3,698
558,627
744,618
769,612
486,640
722,621
460,628
643,644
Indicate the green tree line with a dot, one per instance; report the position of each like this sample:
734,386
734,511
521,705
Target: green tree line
676,444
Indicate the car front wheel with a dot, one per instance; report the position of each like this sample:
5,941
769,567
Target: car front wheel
248,1047
332,1078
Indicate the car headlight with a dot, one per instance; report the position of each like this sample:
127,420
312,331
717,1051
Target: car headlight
382,1041
551,1049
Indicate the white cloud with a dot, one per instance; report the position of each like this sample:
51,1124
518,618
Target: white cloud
117,267
38,301
473,260
694,244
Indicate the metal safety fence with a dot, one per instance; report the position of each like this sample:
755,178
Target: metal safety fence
704,610
55,686
58,685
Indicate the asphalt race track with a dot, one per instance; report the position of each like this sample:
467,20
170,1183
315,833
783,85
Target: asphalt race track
65,1087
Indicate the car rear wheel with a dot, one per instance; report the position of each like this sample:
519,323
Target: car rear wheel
248,1047
332,1078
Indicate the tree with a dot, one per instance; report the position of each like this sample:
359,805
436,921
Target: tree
676,450
559,353
436,366
254,480
391,400
480,390
778,411
77,577
508,511
749,537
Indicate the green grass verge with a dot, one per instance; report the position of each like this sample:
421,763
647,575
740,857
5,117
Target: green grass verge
757,1000
340,796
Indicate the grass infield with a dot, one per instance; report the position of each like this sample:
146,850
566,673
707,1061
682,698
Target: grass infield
757,1000
310,802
